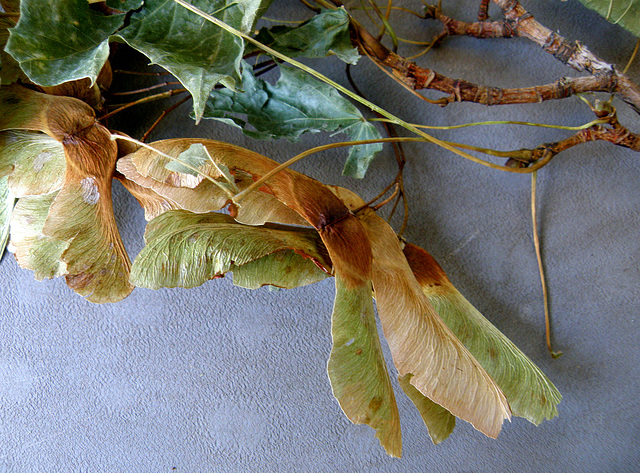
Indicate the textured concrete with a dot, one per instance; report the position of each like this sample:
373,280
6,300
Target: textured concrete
222,379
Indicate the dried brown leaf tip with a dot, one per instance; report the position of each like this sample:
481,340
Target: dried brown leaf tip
66,224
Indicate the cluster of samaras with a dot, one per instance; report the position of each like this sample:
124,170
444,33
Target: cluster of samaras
291,231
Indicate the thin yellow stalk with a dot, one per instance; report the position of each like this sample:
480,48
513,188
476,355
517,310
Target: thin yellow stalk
536,244
505,122
309,152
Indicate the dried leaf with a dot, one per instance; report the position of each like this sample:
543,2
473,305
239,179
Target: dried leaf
185,250
529,392
59,117
439,421
97,263
422,345
36,162
81,214
184,175
357,370
6,208
35,251
153,203
350,254
285,269
205,197
148,169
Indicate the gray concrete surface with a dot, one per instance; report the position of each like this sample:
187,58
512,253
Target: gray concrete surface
222,379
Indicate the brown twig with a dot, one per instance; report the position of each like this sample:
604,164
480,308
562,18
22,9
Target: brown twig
574,54
613,132
145,89
457,90
483,10
151,98
479,29
163,115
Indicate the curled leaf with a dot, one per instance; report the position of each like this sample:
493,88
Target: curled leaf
59,117
97,263
149,170
350,254
80,215
153,203
204,197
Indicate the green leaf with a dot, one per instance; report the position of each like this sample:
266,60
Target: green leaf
324,34
357,370
6,208
194,157
530,393
196,52
36,160
34,250
296,104
623,12
439,421
9,68
125,5
185,250
360,156
65,41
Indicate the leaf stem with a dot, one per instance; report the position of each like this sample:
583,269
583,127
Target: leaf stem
503,122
